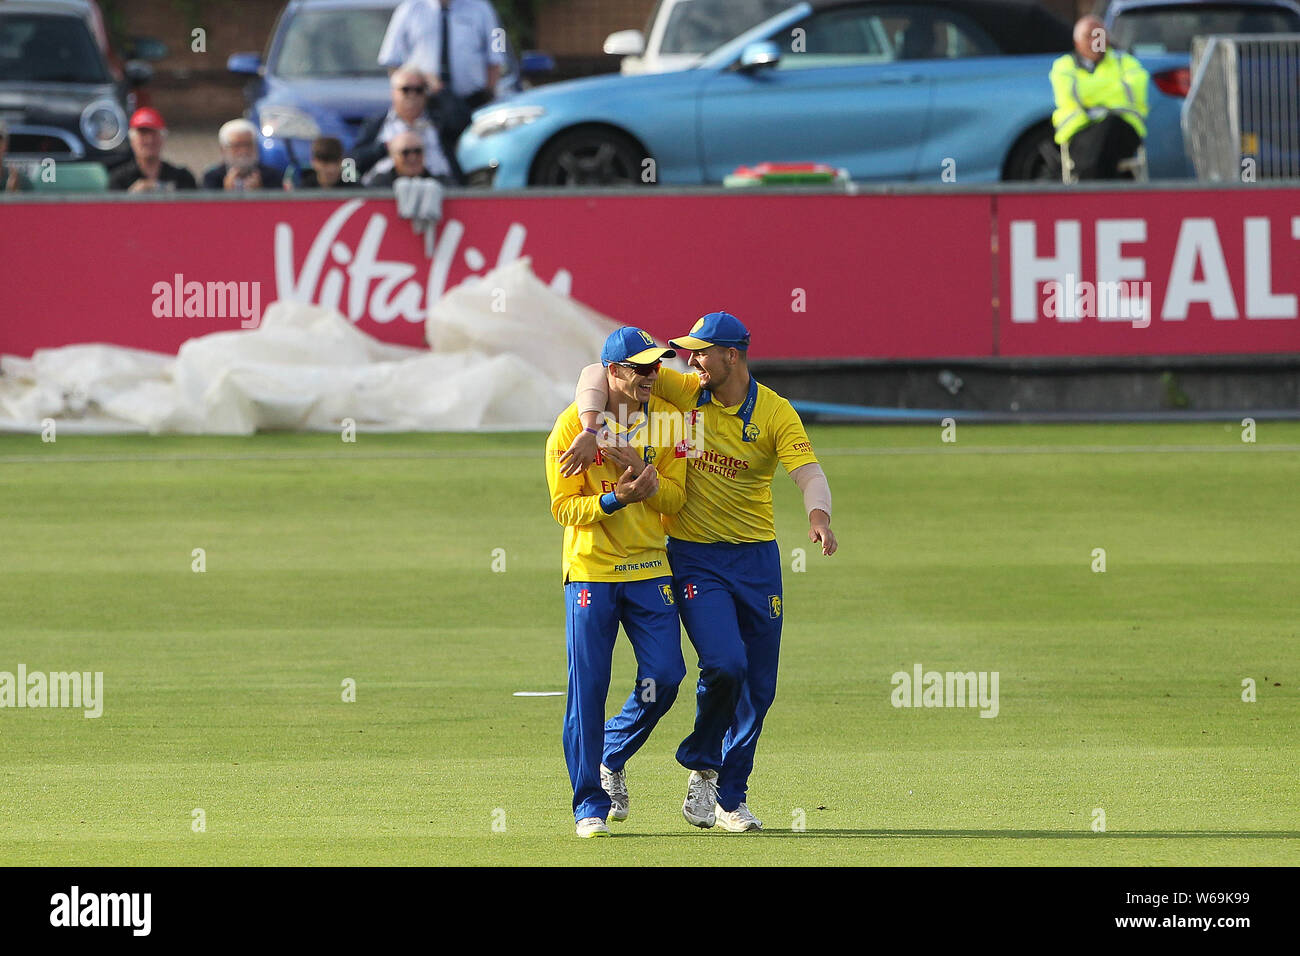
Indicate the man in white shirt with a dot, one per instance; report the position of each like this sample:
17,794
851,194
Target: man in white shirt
460,47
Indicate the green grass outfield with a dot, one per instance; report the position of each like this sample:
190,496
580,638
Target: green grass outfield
373,561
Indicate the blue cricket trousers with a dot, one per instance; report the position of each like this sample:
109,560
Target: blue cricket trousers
730,600
595,610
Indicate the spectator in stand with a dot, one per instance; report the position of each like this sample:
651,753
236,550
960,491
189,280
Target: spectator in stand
11,180
146,171
408,114
460,46
326,166
240,169
406,153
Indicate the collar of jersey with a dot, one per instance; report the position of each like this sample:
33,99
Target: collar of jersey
746,409
635,425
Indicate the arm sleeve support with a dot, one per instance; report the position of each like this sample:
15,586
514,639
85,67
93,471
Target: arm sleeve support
816,489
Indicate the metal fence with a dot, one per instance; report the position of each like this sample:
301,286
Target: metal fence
1241,118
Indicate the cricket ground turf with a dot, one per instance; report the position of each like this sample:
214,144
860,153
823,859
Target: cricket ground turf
425,568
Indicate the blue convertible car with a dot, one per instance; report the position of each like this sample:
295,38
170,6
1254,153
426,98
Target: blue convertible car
887,91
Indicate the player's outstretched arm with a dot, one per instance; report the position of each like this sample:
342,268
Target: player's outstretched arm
591,396
570,506
817,502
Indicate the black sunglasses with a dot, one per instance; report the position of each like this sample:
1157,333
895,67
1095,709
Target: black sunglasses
642,369
414,89
412,151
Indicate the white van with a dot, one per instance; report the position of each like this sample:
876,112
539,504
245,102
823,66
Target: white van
681,32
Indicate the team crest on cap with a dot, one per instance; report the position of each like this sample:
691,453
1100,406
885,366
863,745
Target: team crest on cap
774,606
645,337
666,590
751,432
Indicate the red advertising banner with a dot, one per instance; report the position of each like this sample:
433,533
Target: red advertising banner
814,276
1149,273
811,275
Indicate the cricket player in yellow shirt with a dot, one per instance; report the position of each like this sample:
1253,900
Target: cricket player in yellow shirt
616,570
722,546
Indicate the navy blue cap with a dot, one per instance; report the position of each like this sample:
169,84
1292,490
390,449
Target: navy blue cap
716,328
633,345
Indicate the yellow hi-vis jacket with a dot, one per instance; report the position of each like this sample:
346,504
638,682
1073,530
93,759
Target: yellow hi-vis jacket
1118,83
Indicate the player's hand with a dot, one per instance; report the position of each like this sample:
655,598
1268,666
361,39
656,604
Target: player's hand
624,456
632,488
819,532
647,482
580,455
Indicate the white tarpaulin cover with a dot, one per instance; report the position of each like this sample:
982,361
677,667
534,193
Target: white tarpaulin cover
507,350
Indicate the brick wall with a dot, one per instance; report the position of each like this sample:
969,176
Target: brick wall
192,87
579,27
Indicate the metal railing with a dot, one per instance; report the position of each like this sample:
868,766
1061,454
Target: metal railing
1241,118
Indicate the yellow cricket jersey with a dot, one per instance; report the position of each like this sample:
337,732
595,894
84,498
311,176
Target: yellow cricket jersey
732,454
627,545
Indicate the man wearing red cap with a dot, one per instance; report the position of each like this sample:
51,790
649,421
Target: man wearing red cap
147,172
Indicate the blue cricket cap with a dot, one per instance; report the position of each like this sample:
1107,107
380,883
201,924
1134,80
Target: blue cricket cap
633,345
716,328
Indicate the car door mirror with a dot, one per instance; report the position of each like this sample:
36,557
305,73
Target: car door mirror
147,48
137,72
249,63
762,54
625,43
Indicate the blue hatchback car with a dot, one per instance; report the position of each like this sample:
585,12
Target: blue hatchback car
886,91
321,76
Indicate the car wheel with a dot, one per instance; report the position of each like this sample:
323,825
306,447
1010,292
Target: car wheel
590,157
1035,157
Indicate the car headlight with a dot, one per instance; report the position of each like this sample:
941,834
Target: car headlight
505,117
103,124
288,122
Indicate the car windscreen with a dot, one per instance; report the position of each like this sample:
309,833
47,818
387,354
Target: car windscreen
337,42
44,48
701,26
1169,29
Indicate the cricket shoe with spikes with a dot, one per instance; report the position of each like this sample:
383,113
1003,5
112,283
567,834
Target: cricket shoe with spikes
701,798
592,827
738,820
615,784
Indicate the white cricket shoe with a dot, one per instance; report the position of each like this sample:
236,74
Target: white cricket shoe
615,784
701,798
738,820
592,827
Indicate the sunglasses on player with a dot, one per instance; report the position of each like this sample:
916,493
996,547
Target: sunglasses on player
642,369
414,90
412,151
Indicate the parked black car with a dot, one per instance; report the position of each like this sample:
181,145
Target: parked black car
58,94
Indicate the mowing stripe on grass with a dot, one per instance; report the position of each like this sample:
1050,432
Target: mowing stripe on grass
525,453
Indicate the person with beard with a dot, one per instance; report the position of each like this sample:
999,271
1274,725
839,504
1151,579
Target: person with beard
239,169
